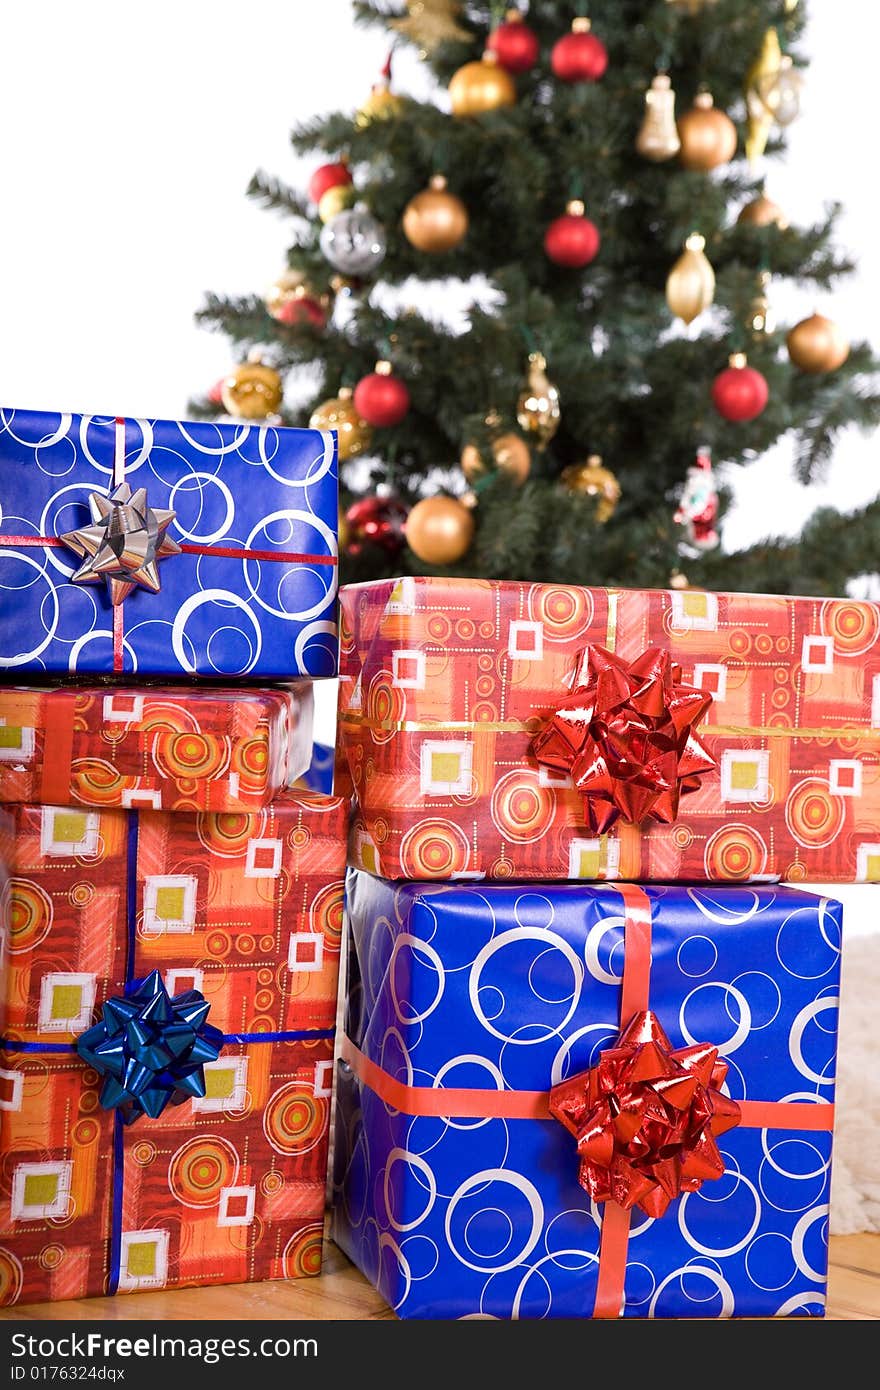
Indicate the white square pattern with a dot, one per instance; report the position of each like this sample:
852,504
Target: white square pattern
176,981
845,776
585,859
41,1190
817,654
745,775
169,903
58,826
123,709
12,1083
712,679
67,1001
263,859
305,952
525,641
408,670
23,751
324,1078
143,1260
232,1095
235,1197
141,800
446,767
868,863
693,610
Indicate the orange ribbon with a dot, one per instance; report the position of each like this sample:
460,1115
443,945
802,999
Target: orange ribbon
440,1102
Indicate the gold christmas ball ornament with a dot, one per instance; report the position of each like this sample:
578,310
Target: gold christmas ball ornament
435,220
591,479
537,409
690,285
708,136
338,413
817,344
481,86
381,105
658,134
337,199
762,212
251,391
439,530
510,455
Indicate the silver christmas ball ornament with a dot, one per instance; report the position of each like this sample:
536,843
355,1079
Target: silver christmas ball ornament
354,242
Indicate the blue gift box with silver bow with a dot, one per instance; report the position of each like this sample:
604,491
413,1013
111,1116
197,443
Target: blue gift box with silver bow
166,548
578,1101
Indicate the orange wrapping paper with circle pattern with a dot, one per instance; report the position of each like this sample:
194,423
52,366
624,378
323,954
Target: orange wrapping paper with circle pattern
171,748
230,1188
445,682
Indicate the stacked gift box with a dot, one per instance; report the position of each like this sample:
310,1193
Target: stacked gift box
173,896
587,1068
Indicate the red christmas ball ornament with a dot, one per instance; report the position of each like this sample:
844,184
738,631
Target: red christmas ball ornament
579,56
514,44
740,392
327,176
376,521
381,398
215,395
572,240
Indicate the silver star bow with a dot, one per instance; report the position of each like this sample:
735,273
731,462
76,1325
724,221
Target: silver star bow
124,544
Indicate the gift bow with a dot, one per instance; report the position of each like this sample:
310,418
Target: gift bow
627,738
150,1048
646,1118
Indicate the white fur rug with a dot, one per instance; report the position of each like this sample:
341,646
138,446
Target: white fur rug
855,1173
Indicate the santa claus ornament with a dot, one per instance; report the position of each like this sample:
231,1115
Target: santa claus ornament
697,511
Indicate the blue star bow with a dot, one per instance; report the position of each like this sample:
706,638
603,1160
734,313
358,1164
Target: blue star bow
151,1049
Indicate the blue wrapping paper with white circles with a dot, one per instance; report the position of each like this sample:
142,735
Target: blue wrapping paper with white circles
518,986
220,612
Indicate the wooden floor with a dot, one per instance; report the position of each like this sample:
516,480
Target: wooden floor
342,1294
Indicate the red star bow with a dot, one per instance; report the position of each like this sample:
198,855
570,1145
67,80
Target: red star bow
646,1118
626,735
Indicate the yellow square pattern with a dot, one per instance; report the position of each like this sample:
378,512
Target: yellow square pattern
142,1259
69,827
170,903
368,858
743,776
10,736
219,1083
694,604
588,864
66,1001
445,767
40,1189
872,868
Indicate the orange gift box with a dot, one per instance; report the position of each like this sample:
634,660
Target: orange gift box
446,682
227,1188
155,747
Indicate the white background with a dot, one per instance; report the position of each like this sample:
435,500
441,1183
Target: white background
130,133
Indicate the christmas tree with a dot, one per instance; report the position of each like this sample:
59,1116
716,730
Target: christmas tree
604,172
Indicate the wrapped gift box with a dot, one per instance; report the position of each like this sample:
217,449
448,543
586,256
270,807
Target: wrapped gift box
172,748
446,683
250,590
246,909
456,1191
